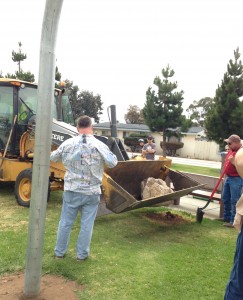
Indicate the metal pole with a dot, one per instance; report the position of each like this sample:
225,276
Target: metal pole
41,165
113,121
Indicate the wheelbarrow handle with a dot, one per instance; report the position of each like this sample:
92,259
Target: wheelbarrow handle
216,186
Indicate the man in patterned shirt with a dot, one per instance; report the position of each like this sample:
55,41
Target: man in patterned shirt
84,157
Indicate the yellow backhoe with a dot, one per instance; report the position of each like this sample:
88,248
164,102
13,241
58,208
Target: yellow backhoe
121,185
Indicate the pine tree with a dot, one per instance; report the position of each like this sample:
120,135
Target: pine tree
226,114
18,56
163,110
20,74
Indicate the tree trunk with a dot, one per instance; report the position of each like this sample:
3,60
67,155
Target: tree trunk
164,145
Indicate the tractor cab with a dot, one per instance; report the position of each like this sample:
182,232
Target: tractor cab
18,107
18,101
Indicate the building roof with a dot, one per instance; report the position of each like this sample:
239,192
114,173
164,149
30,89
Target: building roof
142,128
123,126
194,130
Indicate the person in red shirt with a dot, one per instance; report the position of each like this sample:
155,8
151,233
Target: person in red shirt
233,182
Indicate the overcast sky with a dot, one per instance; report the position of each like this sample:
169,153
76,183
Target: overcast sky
116,48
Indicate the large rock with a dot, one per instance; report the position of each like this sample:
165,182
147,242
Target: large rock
152,187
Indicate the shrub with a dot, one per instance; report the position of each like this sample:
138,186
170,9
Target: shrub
132,141
171,147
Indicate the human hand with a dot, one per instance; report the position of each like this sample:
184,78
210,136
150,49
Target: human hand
231,159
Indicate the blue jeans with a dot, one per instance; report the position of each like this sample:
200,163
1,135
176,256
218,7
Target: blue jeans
230,195
72,203
234,287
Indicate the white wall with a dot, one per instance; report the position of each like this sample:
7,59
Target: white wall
199,149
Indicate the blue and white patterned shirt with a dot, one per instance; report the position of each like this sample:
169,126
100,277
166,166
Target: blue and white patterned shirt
84,157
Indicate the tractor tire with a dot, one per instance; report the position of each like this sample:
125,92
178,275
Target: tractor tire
22,189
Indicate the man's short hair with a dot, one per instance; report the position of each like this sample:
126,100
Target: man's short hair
84,122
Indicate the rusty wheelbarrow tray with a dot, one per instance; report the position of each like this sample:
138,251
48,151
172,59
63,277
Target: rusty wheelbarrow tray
122,184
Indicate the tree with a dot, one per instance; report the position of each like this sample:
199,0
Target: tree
26,76
134,115
19,74
186,124
58,75
84,102
163,109
198,110
226,114
88,104
18,56
172,147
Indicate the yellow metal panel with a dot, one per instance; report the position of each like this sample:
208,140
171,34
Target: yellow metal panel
58,170
12,168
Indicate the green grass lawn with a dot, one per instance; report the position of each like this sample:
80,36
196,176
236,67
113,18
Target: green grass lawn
132,256
196,169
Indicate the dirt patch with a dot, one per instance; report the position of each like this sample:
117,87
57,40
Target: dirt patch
167,218
52,288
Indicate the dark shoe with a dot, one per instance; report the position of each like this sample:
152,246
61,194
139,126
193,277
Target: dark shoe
81,259
229,225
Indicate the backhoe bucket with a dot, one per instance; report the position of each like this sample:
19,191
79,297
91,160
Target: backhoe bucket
122,184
